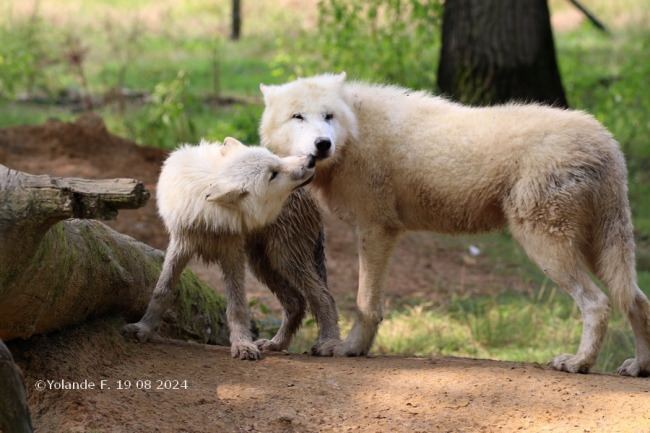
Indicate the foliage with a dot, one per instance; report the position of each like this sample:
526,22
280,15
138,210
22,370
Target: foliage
26,53
164,122
241,123
394,41
267,324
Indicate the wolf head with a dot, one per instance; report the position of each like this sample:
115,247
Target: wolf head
230,187
309,116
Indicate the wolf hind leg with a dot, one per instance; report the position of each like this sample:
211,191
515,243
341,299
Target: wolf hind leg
560,259
294,307
323,308
639,316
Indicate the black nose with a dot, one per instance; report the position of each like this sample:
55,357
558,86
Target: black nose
323,144
311,161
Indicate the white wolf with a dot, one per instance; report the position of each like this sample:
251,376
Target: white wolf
226,204
392,159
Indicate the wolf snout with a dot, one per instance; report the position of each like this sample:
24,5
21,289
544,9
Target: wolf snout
323,145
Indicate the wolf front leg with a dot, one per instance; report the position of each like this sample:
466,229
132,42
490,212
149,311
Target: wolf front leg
233,265
176,259
376,246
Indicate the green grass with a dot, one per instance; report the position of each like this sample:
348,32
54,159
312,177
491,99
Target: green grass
507,327
13,113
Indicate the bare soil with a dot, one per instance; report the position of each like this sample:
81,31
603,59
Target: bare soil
292,392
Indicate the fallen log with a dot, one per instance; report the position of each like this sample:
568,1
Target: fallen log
56,271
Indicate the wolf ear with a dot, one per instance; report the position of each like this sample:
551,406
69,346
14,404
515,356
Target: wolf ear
267,91
227,198
230,145
341,77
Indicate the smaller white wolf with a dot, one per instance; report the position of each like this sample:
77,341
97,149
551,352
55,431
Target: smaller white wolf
392,160
229,203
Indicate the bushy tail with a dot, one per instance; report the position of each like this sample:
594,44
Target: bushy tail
614,240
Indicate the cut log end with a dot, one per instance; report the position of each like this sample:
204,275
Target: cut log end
70,197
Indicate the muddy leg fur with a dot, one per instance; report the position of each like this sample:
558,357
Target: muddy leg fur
295,286
323,308
289,257
163,295
233,264
312,281
294,305
322,302
292,300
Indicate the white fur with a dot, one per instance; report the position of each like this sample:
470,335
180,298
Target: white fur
299,136
191,173
407,160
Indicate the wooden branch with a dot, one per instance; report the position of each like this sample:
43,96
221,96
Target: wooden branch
74,198
14,412
590,16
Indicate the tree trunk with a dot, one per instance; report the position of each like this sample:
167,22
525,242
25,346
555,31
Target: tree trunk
236,20
495,51
55,273
14,412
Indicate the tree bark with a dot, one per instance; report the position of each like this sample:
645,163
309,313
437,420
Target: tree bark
496,51
14,412
55,273
236,20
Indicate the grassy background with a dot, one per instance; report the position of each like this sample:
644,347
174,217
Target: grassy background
178,54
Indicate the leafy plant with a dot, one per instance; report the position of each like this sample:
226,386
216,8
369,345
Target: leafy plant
27,50
242,123
164,122
267,324
395,41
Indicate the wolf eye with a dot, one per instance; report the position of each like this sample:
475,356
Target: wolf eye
297,116
329,116
273,175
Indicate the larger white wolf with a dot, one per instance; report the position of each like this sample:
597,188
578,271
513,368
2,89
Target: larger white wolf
392,159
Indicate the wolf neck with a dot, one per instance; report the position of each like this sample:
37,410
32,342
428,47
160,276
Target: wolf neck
323,177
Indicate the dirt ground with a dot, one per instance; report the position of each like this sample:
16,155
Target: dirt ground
287,392
294,392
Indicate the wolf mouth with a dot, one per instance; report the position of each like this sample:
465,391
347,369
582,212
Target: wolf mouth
306,182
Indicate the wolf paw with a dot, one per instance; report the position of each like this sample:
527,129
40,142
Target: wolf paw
245,350
340,348
140,332
325,347
632,368
270,345
570,363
